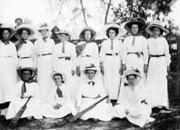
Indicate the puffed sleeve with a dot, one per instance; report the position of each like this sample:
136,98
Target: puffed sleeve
166,51
102,52
145,49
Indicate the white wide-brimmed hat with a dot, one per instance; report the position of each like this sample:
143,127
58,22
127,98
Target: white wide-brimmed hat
133,72
26,66
25,26
90,66
6,27
43,26
64,32
114,27
93,33
58,73
140,22
157,24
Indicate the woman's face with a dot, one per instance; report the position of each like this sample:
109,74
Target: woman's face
24,34
6,34
90,74
134,29
58,80
87,35
156,32
63,37
112,34
131,79
26,75
44,33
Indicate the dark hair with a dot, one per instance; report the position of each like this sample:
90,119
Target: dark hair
19,19
89,70
59,75
112,28
21,30
131,75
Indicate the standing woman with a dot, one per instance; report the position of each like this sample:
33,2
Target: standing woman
43,49
158,65
87,50
111,55
64,56
25,48
8,64
136,46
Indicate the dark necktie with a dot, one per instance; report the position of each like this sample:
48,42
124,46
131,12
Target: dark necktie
63,48
23,89
59,92
44,39
91,83
133,41
112,45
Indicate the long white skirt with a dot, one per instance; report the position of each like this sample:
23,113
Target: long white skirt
33,108
44,80
111,76
157,89
50,112
102,111
138,114
8,78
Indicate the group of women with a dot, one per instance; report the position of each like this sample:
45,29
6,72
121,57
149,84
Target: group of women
72,77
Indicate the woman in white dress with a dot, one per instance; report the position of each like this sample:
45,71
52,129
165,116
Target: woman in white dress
64,56
136,46
8,64
111,56
25,48
43,50
91,90
132,103
58,103
159,60
87,50
25,88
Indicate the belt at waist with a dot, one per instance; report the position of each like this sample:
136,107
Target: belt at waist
90,97
136,53
24,57
111,54
46,54
65,58
86,56
6,56
157,55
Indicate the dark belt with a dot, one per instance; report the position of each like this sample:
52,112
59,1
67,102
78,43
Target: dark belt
86,56
65,58
46,54
139,54
111,54
24,57
90,97
157,55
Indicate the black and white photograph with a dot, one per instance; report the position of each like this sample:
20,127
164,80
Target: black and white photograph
89,64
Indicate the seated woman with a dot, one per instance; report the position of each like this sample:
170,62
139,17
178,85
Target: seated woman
132,103
25,88
90,91
58,103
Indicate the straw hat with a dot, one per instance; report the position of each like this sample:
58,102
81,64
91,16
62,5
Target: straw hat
90,67
157,24
114,27
6,27
26,66
93,33
43,26
140,22
133,72
25,26
64,32
58,73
